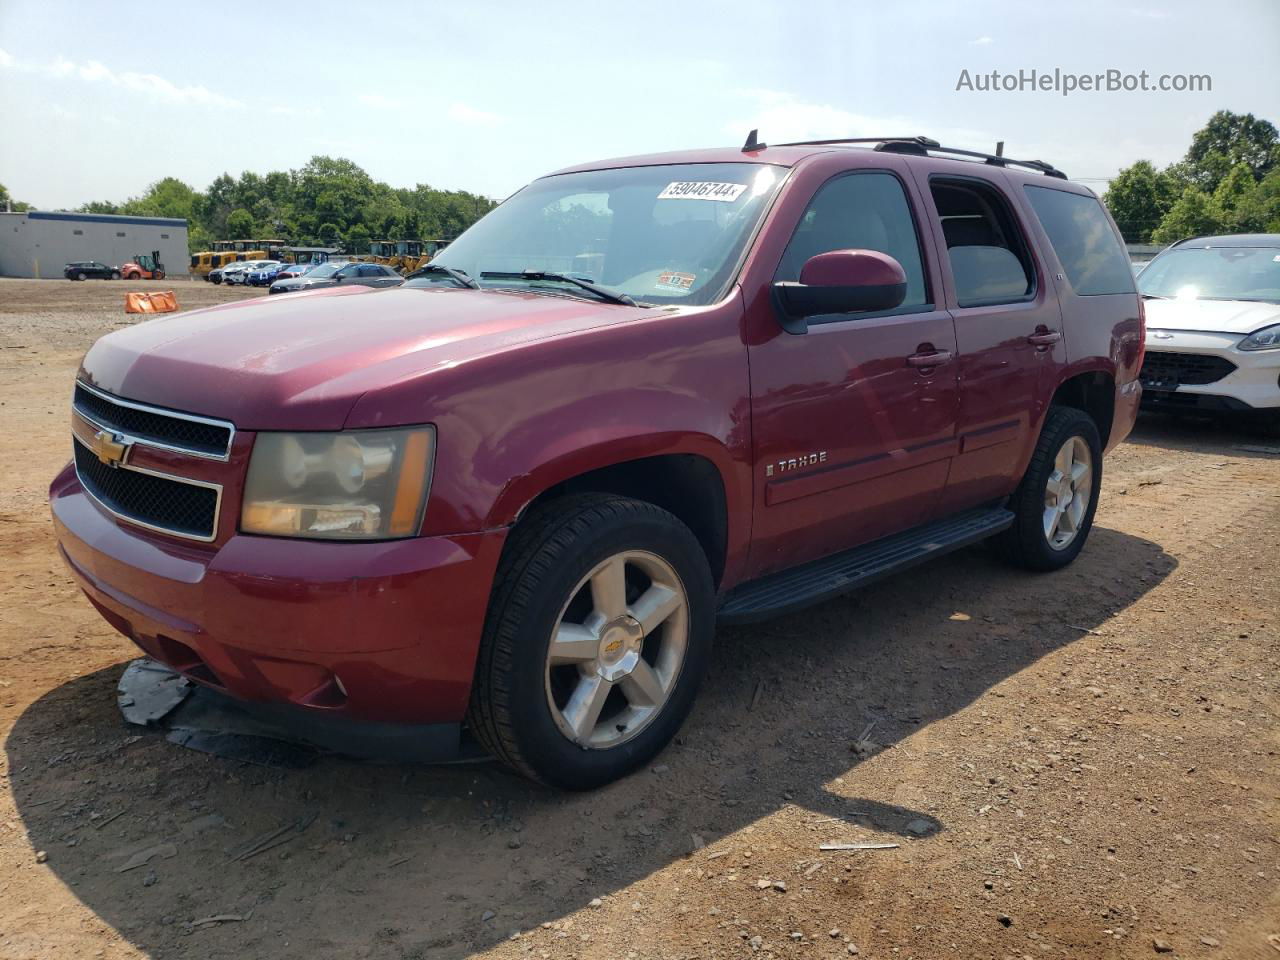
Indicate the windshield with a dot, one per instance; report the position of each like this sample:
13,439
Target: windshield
662,234
1214,273
324,270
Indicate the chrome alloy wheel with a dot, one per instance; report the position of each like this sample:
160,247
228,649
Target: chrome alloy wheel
618,649
1067,493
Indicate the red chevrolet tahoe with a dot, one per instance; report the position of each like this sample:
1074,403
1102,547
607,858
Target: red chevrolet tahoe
513,496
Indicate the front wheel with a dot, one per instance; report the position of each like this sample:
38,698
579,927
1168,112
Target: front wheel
81,276
1055,503
597,636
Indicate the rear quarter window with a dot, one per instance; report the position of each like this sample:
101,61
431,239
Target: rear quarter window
1087,247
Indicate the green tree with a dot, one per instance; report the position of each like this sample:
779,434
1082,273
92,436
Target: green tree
1138,198
240,224
1231,192
8,203
1259,210
328,200
357,239
1229,139
169,197
1194,214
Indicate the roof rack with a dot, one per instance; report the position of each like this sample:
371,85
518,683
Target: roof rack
915,146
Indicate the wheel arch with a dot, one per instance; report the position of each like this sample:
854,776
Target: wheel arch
689,485
1094,392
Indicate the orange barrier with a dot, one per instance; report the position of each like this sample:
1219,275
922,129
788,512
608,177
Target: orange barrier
150,302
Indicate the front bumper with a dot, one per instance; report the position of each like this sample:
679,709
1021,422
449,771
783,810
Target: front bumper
1254,384
382,632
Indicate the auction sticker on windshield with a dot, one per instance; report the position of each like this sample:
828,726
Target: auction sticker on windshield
702,190
674,281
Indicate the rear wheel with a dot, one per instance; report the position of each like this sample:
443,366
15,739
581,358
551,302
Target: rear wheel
115,274
597,636
1055,503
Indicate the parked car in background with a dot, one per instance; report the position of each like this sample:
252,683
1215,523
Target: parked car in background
90,270
248,268
291,271
515,494
1213,327
262,274
224,273
334,274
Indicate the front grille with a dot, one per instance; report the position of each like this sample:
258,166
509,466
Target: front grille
148,424
1165,371
167,504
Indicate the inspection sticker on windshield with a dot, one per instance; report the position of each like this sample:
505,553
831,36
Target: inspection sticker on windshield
702,190
674,281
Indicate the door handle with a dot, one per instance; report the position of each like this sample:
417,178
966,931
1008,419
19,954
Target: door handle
1044,338
934,359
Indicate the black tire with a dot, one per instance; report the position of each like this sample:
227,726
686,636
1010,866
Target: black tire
546,557
1025,544
80,276
115,274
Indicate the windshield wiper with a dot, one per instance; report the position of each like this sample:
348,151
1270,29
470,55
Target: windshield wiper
604,293
458,276
1152,296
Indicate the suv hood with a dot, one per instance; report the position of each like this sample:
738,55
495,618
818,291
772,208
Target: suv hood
1211,316
300,362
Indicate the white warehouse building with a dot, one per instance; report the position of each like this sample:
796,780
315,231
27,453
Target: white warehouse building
40,243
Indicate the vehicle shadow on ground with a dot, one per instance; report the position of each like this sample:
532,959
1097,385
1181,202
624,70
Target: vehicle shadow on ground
443,861
1239,438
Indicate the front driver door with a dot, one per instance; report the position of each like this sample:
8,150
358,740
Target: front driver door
853,422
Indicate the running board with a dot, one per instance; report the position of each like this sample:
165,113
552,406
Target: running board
831,576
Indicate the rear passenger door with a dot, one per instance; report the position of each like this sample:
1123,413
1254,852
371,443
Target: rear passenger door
1096,286
1008,329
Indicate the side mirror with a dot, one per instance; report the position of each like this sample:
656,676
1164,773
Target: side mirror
840,281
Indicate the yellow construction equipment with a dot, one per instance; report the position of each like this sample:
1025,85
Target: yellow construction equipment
418,253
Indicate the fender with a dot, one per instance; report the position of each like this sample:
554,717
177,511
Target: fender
565,460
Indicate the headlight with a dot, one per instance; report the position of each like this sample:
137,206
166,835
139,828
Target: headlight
1268,338
355,485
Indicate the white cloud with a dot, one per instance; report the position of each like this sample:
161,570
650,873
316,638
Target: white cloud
149,85
981,42
379,102
473,117
781,117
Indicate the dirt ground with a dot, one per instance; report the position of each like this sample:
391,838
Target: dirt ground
1072,765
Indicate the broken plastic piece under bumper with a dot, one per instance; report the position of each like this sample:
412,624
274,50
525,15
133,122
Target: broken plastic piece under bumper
382,632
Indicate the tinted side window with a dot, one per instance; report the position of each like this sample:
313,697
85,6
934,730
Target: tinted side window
859,211
1082,237
990,263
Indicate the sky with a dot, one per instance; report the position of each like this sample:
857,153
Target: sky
96,102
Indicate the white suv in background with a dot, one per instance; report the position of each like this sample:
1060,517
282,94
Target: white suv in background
1213,327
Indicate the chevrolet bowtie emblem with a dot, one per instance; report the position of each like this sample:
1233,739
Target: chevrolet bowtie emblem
108,448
